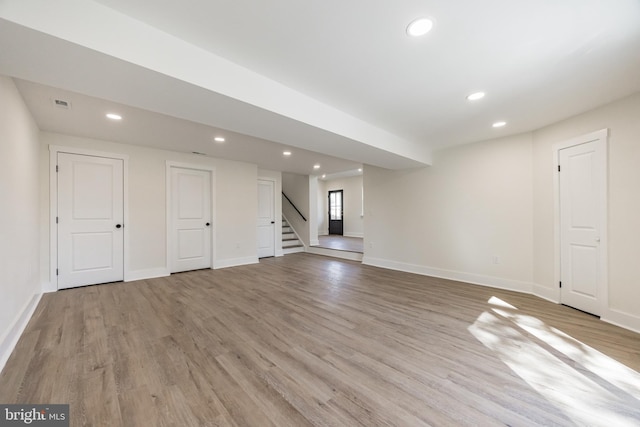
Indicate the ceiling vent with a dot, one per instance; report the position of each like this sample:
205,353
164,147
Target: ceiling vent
61,104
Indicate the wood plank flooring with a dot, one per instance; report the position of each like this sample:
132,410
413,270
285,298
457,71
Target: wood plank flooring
309,340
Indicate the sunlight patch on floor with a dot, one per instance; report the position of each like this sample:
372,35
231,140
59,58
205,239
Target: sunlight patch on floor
588,386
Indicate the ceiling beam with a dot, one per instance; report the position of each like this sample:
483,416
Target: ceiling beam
88,48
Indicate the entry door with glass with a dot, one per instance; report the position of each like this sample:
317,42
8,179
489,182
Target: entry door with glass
335,212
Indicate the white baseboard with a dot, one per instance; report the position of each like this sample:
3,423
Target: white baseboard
293,250
314,242
15,332
150,273
234,262
545,292
353,256
624,320
475,279
48,287
360,235
130,276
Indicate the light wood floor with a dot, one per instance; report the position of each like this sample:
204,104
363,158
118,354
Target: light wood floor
310,340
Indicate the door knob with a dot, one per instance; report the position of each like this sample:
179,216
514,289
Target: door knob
598,239
273,222
118,226
207,224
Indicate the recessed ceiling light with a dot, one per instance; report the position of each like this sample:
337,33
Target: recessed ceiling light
359,169
475,96
324,175
113,116
419,27
218,139
316,166
498,124
286,153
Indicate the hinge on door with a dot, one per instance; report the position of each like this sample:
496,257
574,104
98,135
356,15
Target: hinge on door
561,284
57,168
56,220
56,271
558,168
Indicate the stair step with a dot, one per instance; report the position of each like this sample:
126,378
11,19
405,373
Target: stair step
292,250
290,242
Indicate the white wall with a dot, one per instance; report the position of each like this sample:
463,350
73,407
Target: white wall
296,187
622,118
236,204
19,221
453,218
496,198
276,177
352,199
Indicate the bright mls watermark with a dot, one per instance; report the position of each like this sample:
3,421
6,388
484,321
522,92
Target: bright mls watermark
34,415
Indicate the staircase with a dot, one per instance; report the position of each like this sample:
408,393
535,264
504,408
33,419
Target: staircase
290,242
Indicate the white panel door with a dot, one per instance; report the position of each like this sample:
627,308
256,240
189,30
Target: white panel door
266,219
191,219
90,220
580,254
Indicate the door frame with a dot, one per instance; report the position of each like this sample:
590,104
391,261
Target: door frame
52,284
341,191
276,178
600,137
275,217
212,176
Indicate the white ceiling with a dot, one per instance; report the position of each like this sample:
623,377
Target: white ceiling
86,118
337,78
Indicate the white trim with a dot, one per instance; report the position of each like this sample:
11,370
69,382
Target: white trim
474,279
277,201
545,292
335,253
195,166
277,225
624,320
150,273
235,262
20,323
52,284
599,137
292,250
360,235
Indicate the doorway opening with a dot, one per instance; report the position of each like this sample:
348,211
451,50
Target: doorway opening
266,218
190,221
581,222
336,212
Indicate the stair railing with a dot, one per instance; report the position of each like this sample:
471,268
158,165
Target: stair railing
294,207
